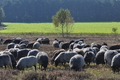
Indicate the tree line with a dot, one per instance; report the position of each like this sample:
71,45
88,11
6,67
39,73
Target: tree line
43,10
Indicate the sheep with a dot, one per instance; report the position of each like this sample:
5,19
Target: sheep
77,46
95,45
115,64
45,41
30,45
104,47
84,45
42,59
26,42
7,41
17,46
17,40
39,40
1,40
56,53
33,52
114,47
71,45
109,54
20,46
64,45
14,52
36,45
59,59
95,50
99,57
13,60
87,49
22,53
68,55
10,45
79,40
26,62
55,44
5,60
79,51
63,57
71,41
76,62
89,57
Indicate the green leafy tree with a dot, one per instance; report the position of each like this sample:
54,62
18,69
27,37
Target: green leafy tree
2,15
64,20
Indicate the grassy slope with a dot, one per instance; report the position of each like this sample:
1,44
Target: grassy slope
93,27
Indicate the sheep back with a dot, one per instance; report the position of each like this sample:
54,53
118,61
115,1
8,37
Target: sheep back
25,62
109,54
76,62
115,64
99,58
42,58
5,60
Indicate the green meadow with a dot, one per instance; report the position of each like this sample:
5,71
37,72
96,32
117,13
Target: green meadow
78,27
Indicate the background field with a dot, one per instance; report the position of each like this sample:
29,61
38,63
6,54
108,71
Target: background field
87,27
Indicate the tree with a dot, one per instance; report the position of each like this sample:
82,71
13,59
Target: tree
4,2
2,15
63,19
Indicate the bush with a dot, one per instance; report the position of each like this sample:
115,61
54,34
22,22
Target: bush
38,76
114,30
8,74
55,75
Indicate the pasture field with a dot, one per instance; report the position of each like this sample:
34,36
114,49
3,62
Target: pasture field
92,72
83,27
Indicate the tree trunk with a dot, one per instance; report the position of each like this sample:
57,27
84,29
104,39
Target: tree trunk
0,23
62,30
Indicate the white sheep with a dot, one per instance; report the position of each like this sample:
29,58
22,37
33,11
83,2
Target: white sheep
68,55
55,44
64,57
26,62
36,45
10,45
33,52
104,47
76,62
109,54
26,42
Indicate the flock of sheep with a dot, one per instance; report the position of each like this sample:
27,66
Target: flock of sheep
20,54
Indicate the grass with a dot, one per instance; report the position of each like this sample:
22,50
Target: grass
89,73
87,27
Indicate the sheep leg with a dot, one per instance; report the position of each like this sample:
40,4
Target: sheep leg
5,66
35,67
39,66
10,66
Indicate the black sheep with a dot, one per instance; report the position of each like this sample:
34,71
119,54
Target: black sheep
30,45
22,53
89,57
114,47
99,58
7,41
